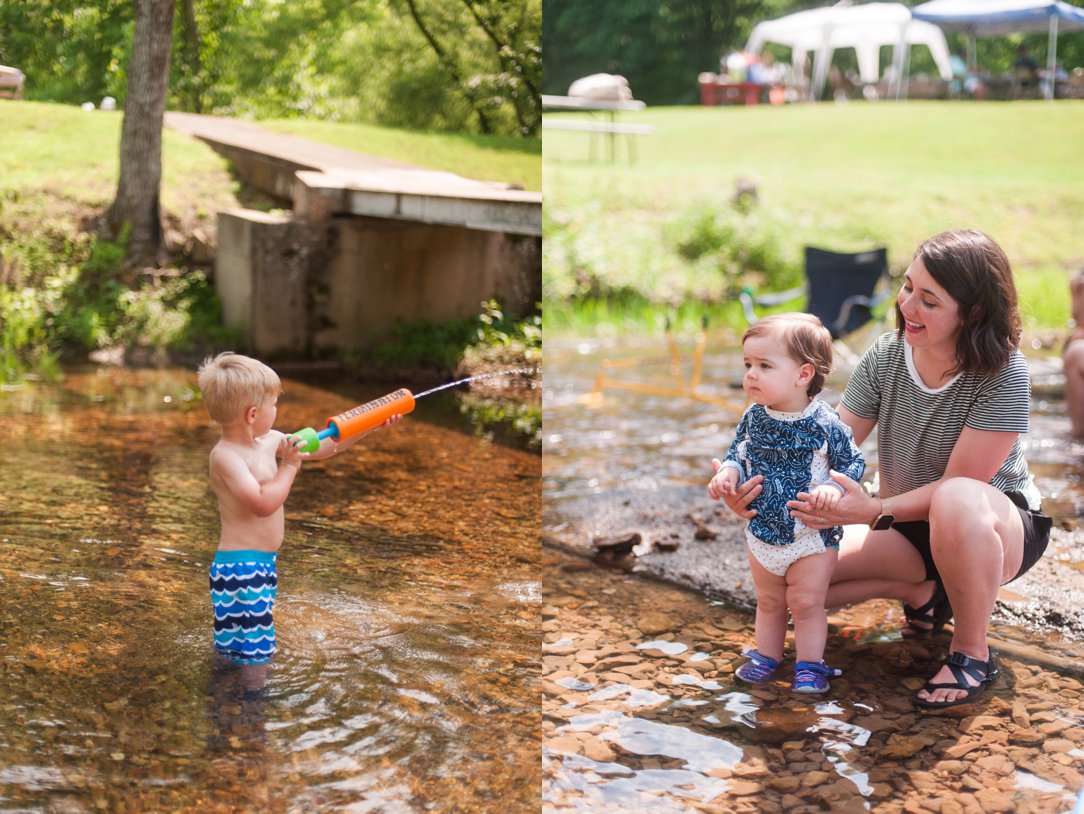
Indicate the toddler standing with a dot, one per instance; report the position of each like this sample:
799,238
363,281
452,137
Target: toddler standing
241,395
793,440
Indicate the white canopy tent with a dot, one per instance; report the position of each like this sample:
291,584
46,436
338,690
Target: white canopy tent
865,28
995,18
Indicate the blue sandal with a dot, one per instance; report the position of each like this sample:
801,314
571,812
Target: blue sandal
758,669
812,676
984,672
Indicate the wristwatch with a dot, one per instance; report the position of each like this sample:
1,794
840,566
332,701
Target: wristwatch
884,520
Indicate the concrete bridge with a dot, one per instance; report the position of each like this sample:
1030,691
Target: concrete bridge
368,242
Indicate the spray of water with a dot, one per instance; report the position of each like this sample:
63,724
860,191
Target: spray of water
527,370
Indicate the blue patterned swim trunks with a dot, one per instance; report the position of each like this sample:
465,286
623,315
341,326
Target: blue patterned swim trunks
243,589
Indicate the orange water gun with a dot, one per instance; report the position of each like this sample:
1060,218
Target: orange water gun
358,419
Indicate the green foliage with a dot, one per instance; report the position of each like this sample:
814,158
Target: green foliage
421,345
490,337
496,330
489,341
476,68
502,417
24,344
70,51
499,339
462,72
661,45
742,247
68,295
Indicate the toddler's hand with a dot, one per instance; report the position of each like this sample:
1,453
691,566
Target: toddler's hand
824,497
290,450
724,480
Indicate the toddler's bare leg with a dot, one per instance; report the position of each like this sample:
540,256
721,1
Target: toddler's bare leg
807,585
771,618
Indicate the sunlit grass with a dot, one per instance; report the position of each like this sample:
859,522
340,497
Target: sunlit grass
843,177
74,155
486,158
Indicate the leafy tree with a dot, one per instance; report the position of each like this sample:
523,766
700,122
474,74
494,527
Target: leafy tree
468,65
512,69
69,50
513,34
661,45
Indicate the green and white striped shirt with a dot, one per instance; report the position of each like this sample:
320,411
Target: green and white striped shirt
917,426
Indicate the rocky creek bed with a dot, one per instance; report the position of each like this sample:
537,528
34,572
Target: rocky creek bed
641,711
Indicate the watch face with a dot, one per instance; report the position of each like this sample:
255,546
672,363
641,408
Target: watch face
883,522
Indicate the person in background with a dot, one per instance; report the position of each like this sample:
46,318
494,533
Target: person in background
1073,358
965,79
1025,69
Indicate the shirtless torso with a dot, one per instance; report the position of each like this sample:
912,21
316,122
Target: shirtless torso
236,471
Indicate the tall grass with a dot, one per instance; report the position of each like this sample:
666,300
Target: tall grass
844,177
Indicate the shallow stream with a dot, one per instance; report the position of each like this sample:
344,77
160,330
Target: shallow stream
641,709
407,613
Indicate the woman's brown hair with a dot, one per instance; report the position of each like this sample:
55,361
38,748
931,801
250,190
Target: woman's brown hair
976,273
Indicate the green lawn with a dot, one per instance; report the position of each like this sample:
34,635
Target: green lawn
75,153
71,155
65,291
486,158
844,177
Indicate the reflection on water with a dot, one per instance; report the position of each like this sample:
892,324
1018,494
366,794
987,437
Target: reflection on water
630,728
630,789
407,615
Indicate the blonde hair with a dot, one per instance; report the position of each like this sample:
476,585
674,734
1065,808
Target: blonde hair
806,340
231,383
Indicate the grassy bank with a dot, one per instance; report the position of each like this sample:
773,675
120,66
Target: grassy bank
64,292
485,158
627,242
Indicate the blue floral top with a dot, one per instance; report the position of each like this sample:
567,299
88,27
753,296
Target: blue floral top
793,451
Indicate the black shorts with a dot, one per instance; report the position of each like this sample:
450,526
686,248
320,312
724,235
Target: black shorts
1036,537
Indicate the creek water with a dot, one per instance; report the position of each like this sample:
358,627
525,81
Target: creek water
407,613
672,729
635,442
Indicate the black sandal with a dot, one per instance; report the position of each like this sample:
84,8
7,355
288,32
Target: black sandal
934,613
984,672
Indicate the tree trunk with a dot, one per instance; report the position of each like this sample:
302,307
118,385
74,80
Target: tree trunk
136,203
448,61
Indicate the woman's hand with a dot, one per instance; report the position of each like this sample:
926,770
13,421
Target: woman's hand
739,499
853,507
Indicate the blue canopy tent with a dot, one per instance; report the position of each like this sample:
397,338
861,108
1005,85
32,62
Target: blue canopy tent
995,18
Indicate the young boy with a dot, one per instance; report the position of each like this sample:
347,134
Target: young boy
241,395
792,439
